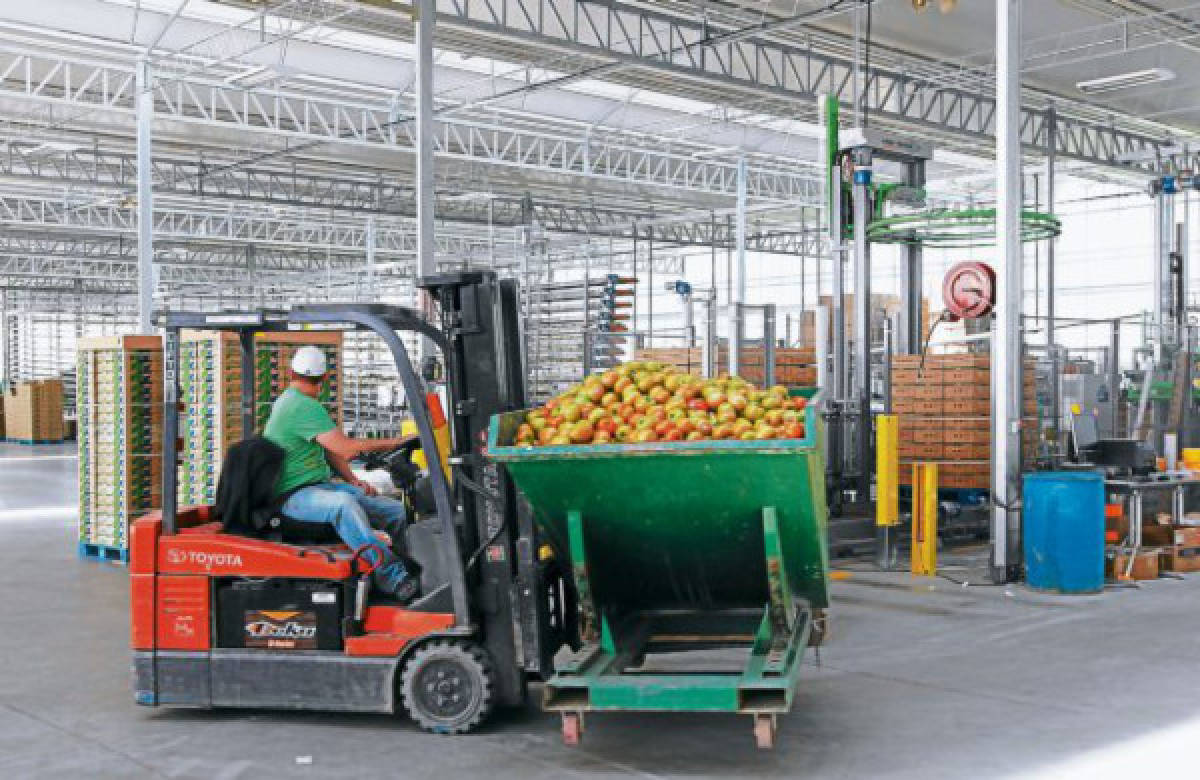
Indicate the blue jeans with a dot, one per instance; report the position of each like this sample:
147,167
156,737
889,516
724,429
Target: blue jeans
353,514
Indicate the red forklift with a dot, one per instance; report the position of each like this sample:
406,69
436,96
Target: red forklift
227,620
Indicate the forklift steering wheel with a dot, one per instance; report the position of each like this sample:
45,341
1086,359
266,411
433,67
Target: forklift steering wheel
384,460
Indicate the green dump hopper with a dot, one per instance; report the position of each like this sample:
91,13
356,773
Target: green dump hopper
679,546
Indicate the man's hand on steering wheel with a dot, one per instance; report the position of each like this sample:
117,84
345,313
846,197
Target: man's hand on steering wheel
366,487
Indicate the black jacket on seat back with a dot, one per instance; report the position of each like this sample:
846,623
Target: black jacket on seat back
246,498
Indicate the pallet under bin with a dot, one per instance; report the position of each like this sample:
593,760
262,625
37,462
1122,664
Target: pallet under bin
676,547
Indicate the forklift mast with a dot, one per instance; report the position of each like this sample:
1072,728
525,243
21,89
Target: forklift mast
514,593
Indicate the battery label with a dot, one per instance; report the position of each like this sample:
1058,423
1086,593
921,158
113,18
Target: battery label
281,630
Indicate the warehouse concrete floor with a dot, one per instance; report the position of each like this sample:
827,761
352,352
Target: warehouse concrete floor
920,679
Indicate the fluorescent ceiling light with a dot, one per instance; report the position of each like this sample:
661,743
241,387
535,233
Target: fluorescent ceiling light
715,152
55,146
260,74
469,196
1137,78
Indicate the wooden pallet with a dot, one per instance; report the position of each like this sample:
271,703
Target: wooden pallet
103,552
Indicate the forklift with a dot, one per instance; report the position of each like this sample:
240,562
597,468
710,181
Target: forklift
227,620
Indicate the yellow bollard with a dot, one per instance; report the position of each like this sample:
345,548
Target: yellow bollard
924,516
887,470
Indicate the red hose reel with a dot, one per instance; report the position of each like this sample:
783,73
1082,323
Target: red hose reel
969,290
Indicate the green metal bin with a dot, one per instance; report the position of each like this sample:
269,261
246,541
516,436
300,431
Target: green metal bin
680,546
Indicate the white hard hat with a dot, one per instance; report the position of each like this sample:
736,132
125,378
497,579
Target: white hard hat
309,361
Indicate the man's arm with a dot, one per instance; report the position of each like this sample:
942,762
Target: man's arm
340,445
340,466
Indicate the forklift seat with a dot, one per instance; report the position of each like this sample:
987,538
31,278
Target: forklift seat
284,529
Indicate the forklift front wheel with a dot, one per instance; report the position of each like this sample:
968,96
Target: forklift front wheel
447,686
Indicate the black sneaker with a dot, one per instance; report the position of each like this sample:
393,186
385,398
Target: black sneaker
407,591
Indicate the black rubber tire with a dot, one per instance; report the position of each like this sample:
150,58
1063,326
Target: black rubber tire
447,687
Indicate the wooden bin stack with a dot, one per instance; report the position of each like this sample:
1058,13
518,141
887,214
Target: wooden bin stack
794,366
34,412
210,373
119,397
945,408
1178,545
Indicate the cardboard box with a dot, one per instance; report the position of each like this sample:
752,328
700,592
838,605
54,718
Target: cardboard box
1145,565
967,408
1165,536
927,392
1179,558
34,411
927,436
915,451
970,391
963,451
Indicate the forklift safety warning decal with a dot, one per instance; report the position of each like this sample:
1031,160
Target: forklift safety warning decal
281,630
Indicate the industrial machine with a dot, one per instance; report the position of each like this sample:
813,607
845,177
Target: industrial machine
222,620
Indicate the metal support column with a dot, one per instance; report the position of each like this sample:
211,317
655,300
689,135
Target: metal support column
145,197
862,320
768,345
739,273
1164,236
831,325
1051,343
821,331
426,259
649,288
1114,374
4,347
708,348
1006,356
912,290
1179,268
370,241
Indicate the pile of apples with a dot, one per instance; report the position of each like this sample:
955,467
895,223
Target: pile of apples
649,401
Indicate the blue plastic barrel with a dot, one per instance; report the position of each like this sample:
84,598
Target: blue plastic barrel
1064,531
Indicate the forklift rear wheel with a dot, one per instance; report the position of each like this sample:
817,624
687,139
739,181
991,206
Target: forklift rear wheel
764,731
447,686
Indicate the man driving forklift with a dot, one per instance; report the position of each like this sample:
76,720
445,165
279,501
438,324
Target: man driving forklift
315,450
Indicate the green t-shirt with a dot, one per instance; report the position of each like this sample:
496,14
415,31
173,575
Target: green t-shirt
295,423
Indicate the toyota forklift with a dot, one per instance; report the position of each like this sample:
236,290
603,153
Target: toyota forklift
227,620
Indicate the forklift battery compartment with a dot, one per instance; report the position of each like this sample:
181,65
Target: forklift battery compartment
280,614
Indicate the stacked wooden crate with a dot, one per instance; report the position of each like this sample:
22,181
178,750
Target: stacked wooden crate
210,380
34,412
945,405
210,373
119,397
272,369
794,366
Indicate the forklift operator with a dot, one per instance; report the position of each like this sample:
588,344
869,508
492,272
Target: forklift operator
314,451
